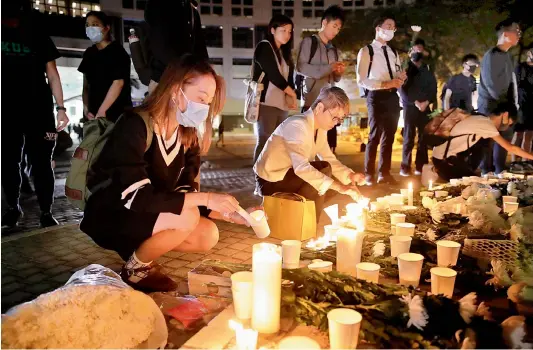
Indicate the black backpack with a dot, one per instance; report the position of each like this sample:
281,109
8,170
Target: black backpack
299,79
362,91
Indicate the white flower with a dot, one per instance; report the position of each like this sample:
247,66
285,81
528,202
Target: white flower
416,28
484,310
516,232
430,235
418,316
428,203
476,219
514,332
501,276
467,307
378,249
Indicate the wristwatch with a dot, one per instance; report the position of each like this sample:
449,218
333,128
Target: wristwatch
60,108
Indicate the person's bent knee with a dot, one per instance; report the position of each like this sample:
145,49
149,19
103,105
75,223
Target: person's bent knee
209,234
191,218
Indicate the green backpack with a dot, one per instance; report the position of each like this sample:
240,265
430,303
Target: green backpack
95,135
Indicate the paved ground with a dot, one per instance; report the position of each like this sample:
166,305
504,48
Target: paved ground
35,260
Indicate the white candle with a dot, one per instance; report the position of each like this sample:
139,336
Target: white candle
349,246
410,194
298,342
430,185
246,339
266,267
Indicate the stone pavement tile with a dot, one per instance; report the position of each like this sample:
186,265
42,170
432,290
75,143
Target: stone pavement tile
176,263
220,245
58,269
215,256
225,234
27,272
38,277
105,261
230,240
11,287
242,255
239,246
72,256
163,260
173,254
40,288
62,278
248,249
227,252
193,265
97,255
192,257
8,279
180,272
242,235
251,241
116,267
247,262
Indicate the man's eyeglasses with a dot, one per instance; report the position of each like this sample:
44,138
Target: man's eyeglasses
393,29
336,119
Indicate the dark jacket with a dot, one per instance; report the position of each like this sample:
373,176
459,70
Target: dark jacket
175,29
266,61
496,83
421,85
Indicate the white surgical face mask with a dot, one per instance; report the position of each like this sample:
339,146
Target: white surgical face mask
386,34
94,34
195,113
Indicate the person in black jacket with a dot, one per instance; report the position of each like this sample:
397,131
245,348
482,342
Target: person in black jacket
273,58
418,92
174,30
151,205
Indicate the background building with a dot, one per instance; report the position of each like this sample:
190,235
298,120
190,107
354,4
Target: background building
232,30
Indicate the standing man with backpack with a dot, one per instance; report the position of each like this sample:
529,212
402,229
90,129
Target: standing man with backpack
461,150
379,76
318,62
498,85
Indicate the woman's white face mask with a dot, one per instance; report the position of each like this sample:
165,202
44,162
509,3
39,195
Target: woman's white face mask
195,113
386,34
94,34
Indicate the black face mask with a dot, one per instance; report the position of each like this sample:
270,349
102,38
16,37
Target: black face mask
472,69
417,56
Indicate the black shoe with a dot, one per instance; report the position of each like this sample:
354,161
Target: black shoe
369,180
387,179
153,280
11,217
47,220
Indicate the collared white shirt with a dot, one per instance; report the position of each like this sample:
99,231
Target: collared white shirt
379,71
292,145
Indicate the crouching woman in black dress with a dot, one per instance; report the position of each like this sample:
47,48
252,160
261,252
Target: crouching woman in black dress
150,205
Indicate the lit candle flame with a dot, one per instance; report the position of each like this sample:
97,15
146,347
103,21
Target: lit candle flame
430,185
246,339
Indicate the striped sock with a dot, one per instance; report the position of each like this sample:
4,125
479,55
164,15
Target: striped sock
134,263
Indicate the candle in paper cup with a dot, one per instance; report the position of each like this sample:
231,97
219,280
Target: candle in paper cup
447,253
382,200
510,207
430,187
439,194
349,246
399,245
405,229
331,231
455,182
266,268
410,268
396,206
322,266
410,194
344,326
375,206
316,260
246,339
291,253
298,342
409,207
442,281
510,199
368,272
396,198
260,225
396,218
405,194
241,289
427,194
333,213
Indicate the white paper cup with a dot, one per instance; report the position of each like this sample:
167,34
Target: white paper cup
241,289
375,206
409,207
439,194
353,209
410,268
298,342
455,182
405,194
442,281
260,226
368,272
399,245
510,207
331,230
396,198
427,194
447,253
510,199
290,250
382,201
321,266
344,326
405,229
396,218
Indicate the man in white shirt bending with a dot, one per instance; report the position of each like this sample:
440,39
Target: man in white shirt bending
462,154
287,162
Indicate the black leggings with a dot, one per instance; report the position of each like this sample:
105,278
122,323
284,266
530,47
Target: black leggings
462,164
292,183
38,140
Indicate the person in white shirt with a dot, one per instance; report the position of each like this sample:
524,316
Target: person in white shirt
462,154
287,162
379,76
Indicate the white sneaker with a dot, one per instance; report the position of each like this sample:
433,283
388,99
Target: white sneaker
418,173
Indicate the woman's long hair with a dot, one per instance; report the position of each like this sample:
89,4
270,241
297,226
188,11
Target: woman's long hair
178,74
280,21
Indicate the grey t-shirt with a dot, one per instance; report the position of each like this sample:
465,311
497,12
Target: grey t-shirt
462,88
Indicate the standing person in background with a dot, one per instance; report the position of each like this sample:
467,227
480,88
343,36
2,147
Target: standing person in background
28,61
523,136
273,57
221,132
418,92
379,75
318,62
459,89
498,85
175,29
106,71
